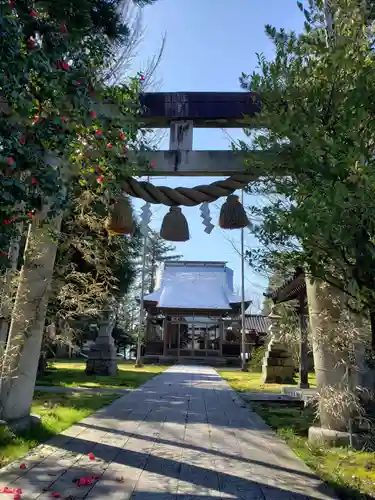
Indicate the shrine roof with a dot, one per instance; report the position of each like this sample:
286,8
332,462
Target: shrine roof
290,289
257,322
194,285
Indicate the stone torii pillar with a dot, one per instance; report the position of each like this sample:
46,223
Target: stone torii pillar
325,308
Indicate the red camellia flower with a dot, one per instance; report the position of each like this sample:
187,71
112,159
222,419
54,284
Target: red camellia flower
10,161
22,140
31,43
93,114
62,65
4,252
99,132
142,78
6,222
100,179
63,28
109,146
35,118
30,214
122,136
34,181
33,13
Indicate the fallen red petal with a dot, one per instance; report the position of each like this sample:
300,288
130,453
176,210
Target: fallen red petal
22,466
91,456
56,494
17,492
86,481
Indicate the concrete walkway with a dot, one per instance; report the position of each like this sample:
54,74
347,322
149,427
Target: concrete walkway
184,435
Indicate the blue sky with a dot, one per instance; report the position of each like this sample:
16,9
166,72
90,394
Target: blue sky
209,44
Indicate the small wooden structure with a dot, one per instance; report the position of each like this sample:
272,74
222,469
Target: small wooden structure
294,289
193,314
256,327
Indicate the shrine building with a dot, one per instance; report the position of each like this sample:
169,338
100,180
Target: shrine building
194,314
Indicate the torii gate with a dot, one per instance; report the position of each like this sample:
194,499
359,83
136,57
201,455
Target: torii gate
181,112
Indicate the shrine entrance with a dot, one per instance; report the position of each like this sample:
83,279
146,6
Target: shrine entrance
194,336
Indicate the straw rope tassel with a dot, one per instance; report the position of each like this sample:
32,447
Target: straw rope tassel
175,227
232,214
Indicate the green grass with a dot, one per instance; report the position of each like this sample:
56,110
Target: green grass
350,473
72,374
58,412
251,381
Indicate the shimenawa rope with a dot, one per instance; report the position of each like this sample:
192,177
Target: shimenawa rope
181,196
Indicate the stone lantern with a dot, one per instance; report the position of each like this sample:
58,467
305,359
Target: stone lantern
102,355
278,366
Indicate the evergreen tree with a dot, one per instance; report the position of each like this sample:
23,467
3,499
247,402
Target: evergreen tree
158,251
59,126
324,138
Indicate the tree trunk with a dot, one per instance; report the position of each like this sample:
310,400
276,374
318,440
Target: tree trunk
153,267
42,365
372,322
28,316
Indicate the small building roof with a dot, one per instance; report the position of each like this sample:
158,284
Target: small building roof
290,289
257,322
194,285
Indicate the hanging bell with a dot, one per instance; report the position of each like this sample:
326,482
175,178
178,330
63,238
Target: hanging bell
175,226
120,220
232,214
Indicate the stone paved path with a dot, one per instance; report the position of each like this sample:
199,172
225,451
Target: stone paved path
184,435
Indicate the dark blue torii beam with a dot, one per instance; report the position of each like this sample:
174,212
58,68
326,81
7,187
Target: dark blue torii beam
205,109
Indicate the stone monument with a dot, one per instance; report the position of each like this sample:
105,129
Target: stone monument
102,355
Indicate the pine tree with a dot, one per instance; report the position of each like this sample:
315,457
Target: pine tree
158,251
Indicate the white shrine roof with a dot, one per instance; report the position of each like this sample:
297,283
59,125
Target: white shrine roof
194,285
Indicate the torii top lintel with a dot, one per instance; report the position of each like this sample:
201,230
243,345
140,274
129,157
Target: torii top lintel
205,109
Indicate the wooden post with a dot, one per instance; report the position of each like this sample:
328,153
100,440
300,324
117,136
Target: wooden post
221,333
303,351
165,331
192,339
178,340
